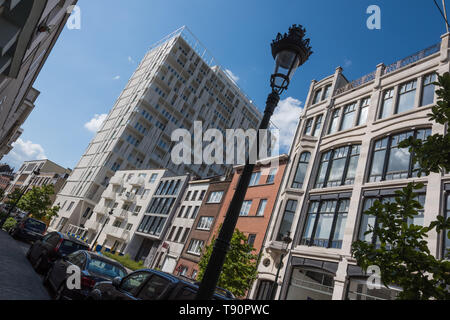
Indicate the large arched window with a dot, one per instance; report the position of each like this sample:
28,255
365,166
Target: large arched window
301,170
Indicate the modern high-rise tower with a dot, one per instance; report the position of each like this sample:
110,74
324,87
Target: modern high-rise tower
178,82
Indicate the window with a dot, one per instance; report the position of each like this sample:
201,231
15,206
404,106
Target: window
215,197
195,212
338,167
358,290
349,117
325,223
129,226
428,89
188,210
261,208
185,235
389,162
317,126
334,121
177,236
205,223
153,177
171,233
363,111
180,213
264,290
447,239
245,209
195,247
386,108
194,196
188,195
288,217
137,209
132,283
153,288
70,206
271,176
308,126
202,195
302,167
326,92
407,96
317,96
255,178
251,239
368,220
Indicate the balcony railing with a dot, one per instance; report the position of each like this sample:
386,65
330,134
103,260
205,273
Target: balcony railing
118,233
391,68
122,213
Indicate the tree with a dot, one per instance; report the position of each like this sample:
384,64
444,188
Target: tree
240,267
38,204
402,253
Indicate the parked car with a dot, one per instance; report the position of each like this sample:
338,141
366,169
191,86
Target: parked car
28,229
150,284
52,246
94,268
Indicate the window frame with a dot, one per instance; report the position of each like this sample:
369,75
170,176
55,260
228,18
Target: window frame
400,93
301,162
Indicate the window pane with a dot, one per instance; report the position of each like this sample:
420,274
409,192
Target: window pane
367,221
309,226
386,109
376,172
399,159
288,217
334,122
325,223
323,170
301,170
349,117
407,96
262,208
340,224
318,126
428,90
317,96
308,126
353,164
364,111
337,167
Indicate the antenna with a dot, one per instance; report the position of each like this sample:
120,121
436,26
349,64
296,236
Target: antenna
443,14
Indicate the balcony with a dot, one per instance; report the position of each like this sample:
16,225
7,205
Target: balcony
101,210
118,181
118,233
109,194
137,181
92,225
128,197
121,213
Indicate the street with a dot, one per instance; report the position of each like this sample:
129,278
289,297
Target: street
18,280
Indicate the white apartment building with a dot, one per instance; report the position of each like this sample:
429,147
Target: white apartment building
345,156
28,32
156,220
176,83
182,223
119,211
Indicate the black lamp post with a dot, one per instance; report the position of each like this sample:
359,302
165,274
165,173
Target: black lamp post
12,207
286,241
289,51
111,212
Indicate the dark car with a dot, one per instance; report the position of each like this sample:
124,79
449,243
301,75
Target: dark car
150,284
28,229
94,268
53,246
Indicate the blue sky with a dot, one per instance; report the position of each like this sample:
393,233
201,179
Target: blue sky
88,68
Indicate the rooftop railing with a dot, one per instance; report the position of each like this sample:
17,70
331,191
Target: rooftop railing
390,68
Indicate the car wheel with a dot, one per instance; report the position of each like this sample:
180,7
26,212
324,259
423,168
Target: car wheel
60,292
39,264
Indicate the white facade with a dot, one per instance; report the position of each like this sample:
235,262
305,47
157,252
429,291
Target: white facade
344,155
172,87
182,224
127,197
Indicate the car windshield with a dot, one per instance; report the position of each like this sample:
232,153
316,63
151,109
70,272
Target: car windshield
35,225
102,267
69,246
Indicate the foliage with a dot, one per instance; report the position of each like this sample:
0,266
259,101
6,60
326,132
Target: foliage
403,257
9,224
403,254
37,202
126,261
239,269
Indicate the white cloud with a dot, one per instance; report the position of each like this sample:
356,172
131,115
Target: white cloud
116,78
232,76
130,60
347,63
286,118
24,151
96,122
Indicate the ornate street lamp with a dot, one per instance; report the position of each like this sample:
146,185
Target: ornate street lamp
290,51
24,190
286,242
111,212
